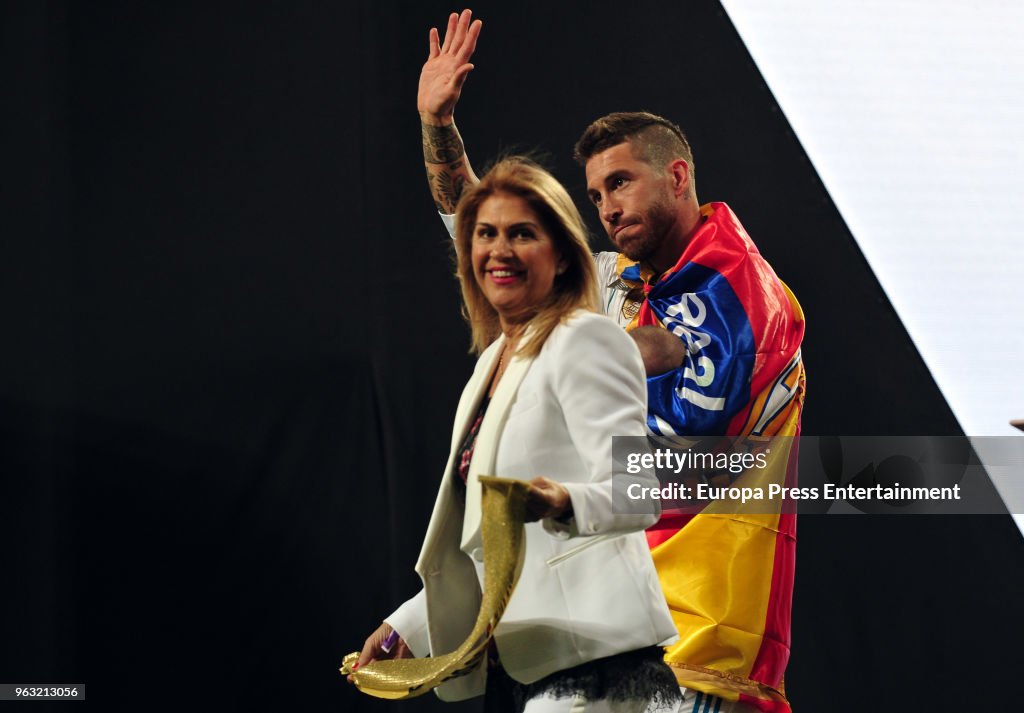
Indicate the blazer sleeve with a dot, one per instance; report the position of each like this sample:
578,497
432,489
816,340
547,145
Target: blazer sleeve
410,621
602,389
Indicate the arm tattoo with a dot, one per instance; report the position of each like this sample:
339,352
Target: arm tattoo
441,144
447,189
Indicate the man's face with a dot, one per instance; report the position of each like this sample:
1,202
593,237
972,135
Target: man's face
634,200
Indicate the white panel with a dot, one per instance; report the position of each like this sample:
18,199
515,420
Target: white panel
912,113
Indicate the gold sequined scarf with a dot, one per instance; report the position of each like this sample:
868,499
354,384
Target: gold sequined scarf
503,508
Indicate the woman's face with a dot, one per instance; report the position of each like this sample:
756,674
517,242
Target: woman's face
514,259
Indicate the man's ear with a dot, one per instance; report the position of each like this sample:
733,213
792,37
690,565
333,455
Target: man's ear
679,171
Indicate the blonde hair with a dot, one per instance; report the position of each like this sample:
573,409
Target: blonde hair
573,289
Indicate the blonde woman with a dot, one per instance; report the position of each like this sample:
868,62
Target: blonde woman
554,383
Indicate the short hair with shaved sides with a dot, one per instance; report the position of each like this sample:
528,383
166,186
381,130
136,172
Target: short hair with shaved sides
654,139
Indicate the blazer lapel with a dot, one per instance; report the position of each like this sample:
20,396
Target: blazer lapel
469,404
472,395
485,451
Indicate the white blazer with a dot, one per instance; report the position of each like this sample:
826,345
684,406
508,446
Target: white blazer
587,589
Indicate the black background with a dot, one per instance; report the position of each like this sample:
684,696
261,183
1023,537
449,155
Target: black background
231,345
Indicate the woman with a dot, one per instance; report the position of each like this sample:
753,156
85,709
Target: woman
553,384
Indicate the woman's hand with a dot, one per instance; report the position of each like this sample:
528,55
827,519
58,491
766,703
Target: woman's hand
547,499
373,647
446,69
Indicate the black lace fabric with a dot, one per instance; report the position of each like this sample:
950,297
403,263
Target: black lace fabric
635,675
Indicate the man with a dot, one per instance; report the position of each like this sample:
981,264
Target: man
720,336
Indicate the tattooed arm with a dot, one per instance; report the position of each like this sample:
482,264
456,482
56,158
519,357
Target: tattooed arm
448,169
441,80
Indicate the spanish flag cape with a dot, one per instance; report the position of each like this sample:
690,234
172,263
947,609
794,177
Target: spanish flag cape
727,574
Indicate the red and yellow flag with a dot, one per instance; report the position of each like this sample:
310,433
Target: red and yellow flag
727,573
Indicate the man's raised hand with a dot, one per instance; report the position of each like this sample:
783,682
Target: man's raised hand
446,68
